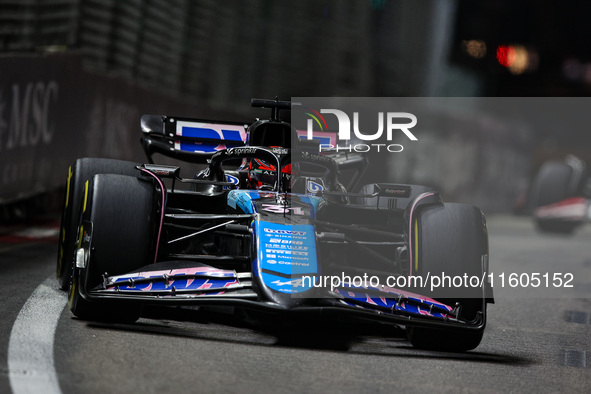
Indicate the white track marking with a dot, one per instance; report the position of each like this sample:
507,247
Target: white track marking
30,350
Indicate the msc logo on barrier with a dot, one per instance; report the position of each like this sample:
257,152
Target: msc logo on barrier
29,117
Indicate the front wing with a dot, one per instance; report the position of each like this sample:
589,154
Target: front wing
205,285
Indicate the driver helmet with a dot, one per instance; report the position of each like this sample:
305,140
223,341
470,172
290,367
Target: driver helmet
263,175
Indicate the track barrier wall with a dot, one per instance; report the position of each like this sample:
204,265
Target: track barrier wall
52,111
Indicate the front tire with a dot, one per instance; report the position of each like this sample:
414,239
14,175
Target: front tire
121,210
80,172
452,240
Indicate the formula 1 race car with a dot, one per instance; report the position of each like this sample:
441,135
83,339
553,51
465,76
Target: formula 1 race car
272,228
560,196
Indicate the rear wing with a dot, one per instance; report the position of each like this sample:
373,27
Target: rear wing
190,140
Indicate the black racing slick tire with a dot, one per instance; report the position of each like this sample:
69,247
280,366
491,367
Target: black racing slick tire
553,183
450,240
78,174
121,211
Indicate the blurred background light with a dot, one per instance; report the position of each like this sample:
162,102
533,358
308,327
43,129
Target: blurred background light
517,58
572,69
520,60
474,48
505,55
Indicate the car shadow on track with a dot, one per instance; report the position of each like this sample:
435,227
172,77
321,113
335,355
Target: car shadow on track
230,326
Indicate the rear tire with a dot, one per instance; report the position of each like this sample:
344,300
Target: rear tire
82,170
452,239
121,209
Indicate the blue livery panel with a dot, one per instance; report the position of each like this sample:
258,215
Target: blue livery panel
285,254
243,200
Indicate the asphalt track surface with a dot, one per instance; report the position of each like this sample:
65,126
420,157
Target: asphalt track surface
532,343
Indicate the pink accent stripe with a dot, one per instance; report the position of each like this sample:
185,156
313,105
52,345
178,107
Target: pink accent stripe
162,210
